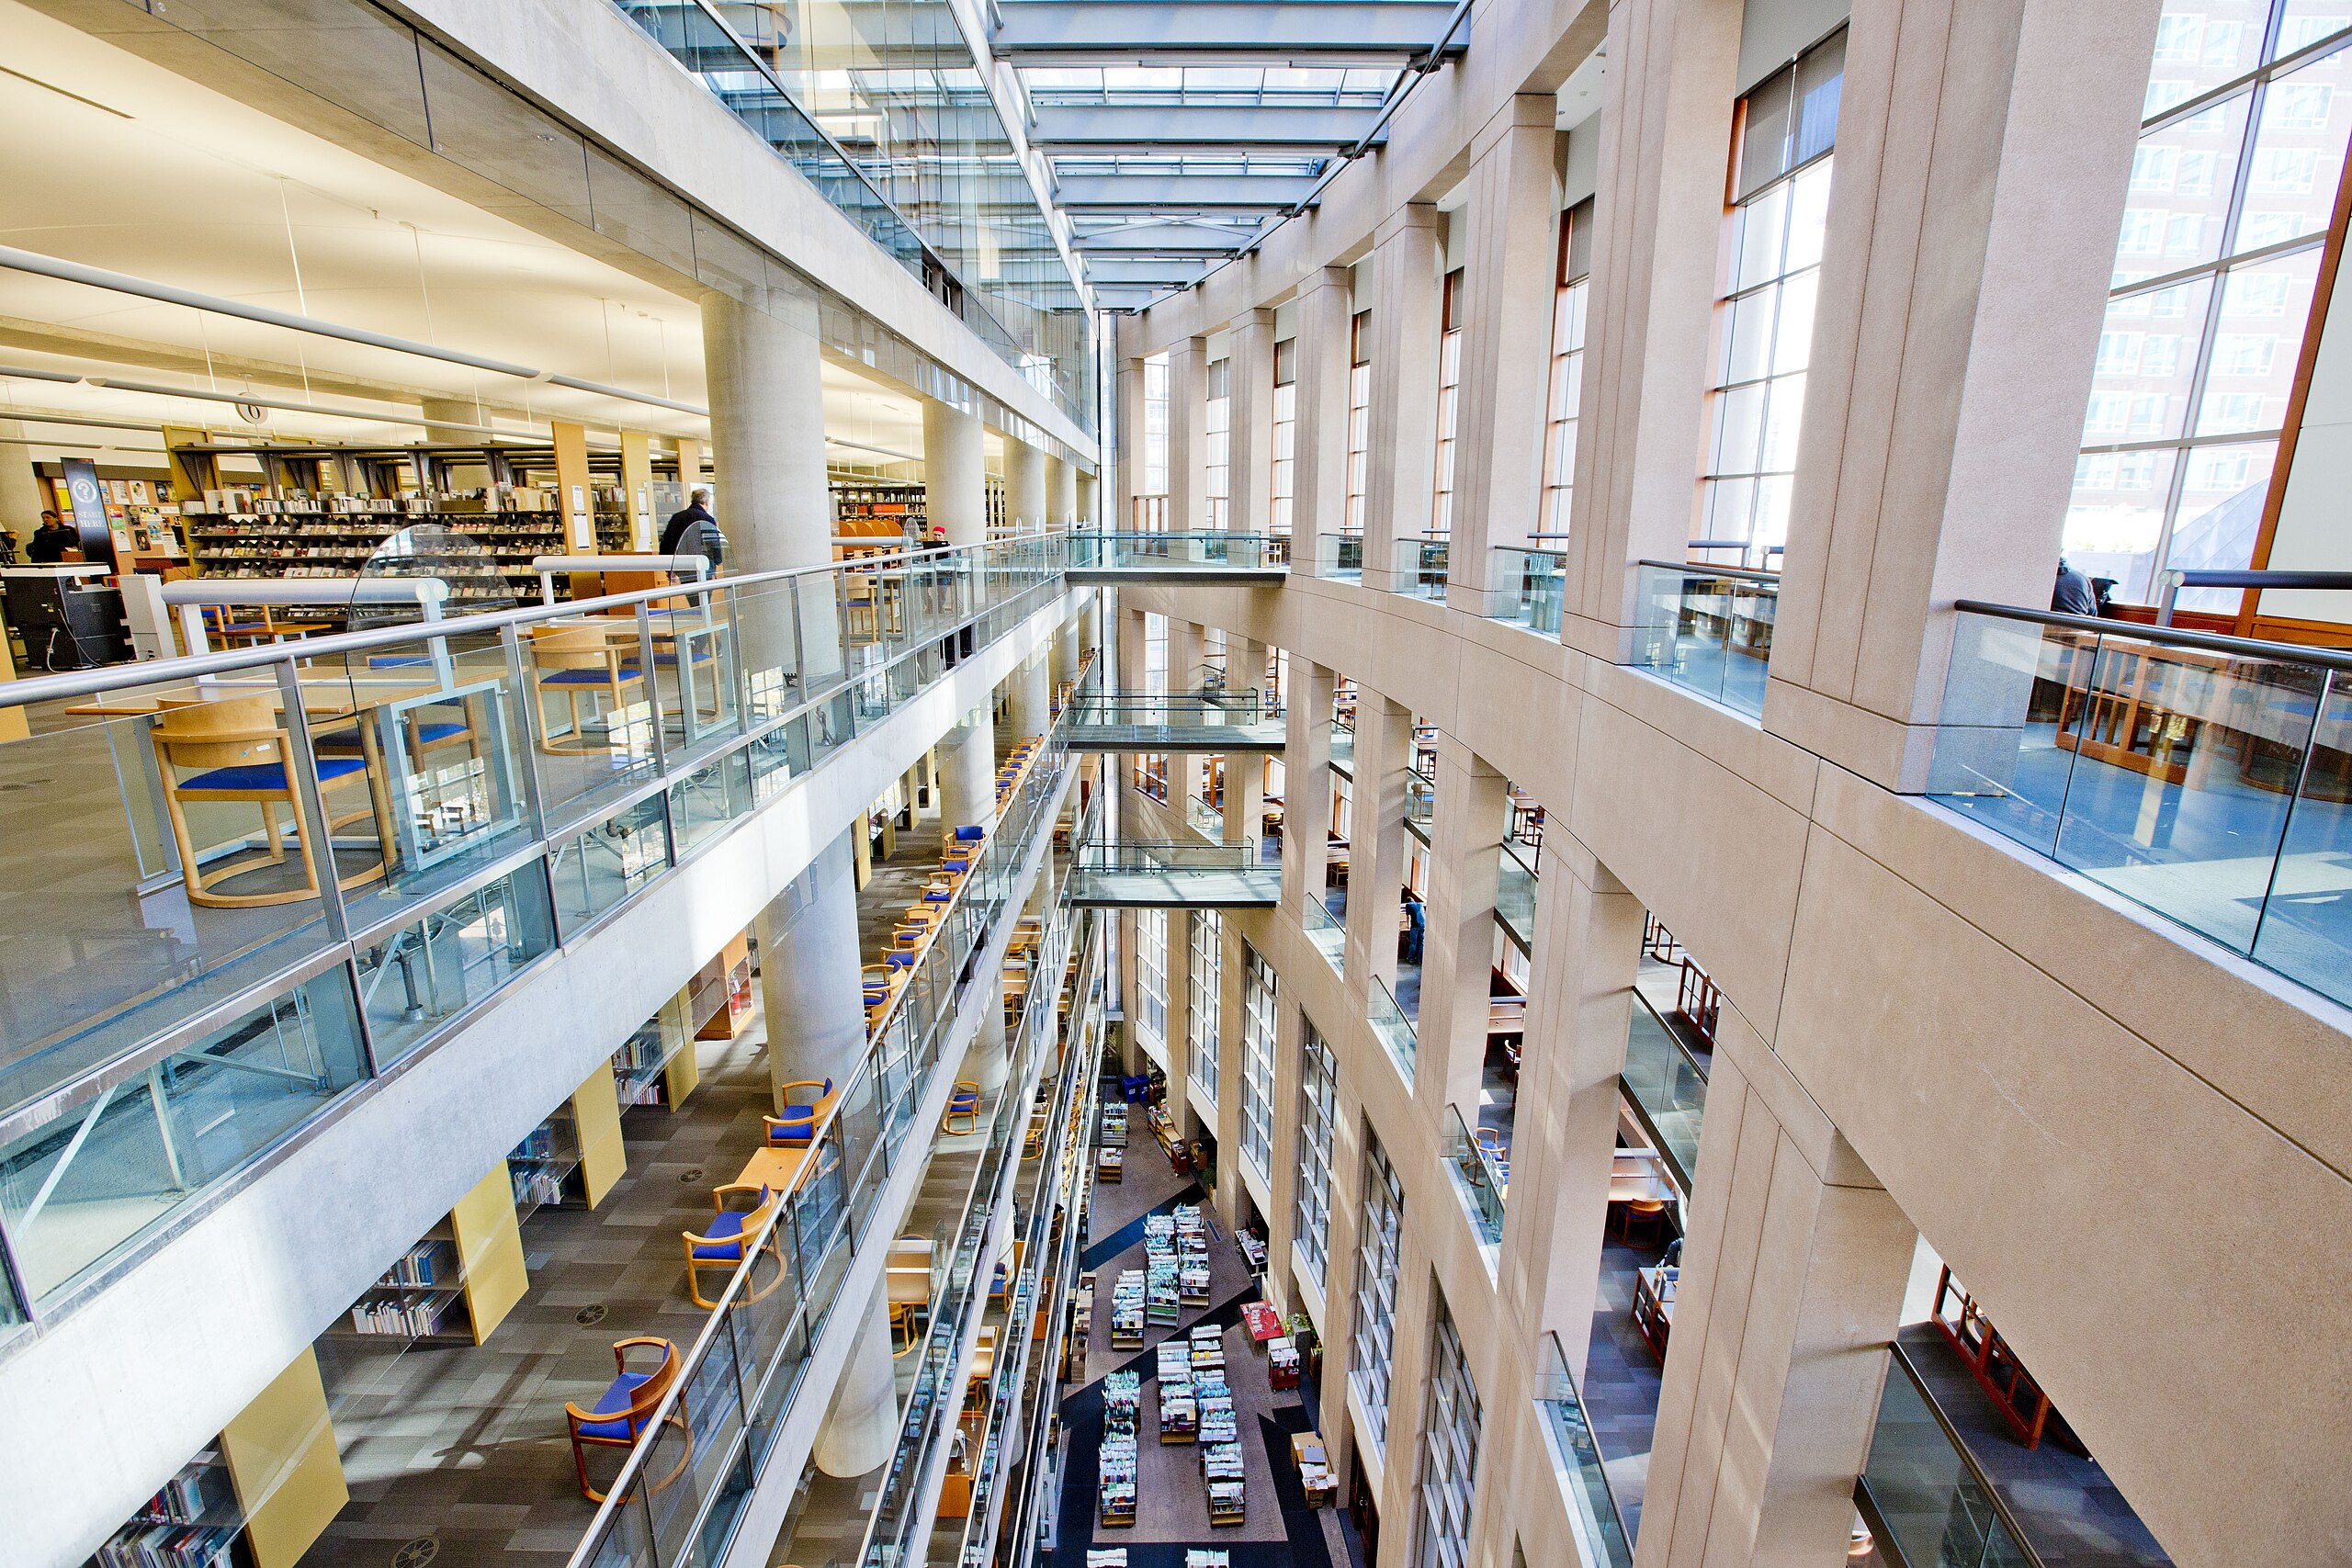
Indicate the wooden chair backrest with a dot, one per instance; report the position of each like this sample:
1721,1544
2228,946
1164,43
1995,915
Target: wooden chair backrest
574,647
649,1392
231,733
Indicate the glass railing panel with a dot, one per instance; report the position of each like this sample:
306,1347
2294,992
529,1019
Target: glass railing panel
1707,631
768,646
1326,934
695,650
121,1151
1998,754
2306,930
1340,556
1667,1083
102,947
1206,820
607,861
592,713
1933,1501
1515,898
415,977
1481,1179
1394,1030
1421,568
709,800
1526,588
1344,746
1561,1405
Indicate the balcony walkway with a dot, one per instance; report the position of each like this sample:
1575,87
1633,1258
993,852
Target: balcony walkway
1126,876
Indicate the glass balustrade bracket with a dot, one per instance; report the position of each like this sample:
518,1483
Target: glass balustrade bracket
481,809
2206,778
1706,629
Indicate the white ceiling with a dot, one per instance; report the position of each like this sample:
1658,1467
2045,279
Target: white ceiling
145,172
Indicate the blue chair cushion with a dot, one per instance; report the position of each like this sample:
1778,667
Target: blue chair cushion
266,775
727,1225
670,661
798,1121
963,1100
586,677
614,1400
971,835
347,740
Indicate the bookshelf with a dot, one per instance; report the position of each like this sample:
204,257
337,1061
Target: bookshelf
722,992
420,1298
193,1522
879,507
542,1166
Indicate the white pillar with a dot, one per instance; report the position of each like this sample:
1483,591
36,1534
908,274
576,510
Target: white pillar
1249,403
954,464
23,498
810,967
861,1426
1319,436
1400,491
768,435
1188,436
1033,699
1061,495
1024,486
968,773
1128,449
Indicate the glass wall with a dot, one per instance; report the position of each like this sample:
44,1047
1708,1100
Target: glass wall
1258,988
1283,478
2240,154
1151,979
1154,428
1218,479
1380,1246
1207,985
1449,1450
1318,1106
1764,325
1448,394
1567,389
1358,417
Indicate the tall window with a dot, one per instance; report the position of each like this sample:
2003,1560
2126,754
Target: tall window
1150,768
1449,1450
1285,431
1379,1245
1155,425
2240,150
1317,1099
1449,393
1207,989
1567,389
1218,479
1764,325
1358,417
1151,979
1258,988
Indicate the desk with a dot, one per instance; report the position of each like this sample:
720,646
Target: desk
780,1170
1654,1305
1314,1468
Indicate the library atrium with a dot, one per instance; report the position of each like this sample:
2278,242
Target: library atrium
546,548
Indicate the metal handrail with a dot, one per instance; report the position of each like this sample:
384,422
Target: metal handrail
2213,577
2208,642
1696,568
1902,1357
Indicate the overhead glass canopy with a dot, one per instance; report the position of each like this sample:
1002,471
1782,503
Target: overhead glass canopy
1180,132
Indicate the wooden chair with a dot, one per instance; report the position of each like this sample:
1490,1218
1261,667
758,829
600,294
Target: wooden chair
722,1243
575,659
239,748
797,1128
625,1410
963,1104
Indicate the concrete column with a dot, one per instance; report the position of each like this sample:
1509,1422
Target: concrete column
1472,817
1793,1281
1941,406
767,433
1188,436
1084,499
1090,621
1319,431
861,1426
1033,698
1245,772
1383,755
1024,486
1509,277
1307,784
23,498
810,973
968,773
1250,404
1061,495
1400,491
1128,449
989,1060
1580,994
1665,137
954,464
1069,648
1185,654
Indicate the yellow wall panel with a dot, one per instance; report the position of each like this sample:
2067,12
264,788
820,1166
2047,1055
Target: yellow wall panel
281,1454
597,1114
489,1249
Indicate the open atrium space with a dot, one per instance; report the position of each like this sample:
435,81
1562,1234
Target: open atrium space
1020,784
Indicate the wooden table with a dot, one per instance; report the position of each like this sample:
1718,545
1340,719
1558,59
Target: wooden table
1654,1305
780,1170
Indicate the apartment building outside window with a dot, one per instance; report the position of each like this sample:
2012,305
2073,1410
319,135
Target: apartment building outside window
1449,1449
2241,146
1283,480
1359,418
1379,1248
1258,988
1207,986
1786,129
1218,482
1449,395
1151,979
1563,396
1318,1106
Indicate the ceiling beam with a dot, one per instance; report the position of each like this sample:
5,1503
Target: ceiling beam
1228,128
1113,272
1167,32
1164,240
1181,193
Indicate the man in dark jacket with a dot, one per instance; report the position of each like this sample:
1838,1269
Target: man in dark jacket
51,541
2072,595
696,531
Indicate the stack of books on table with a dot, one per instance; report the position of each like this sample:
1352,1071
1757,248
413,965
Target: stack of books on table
1208,1348
1221,1468
1127,1310
1116,1476
1180,1418
1165,1302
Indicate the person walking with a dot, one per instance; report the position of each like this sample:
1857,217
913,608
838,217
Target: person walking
693,530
